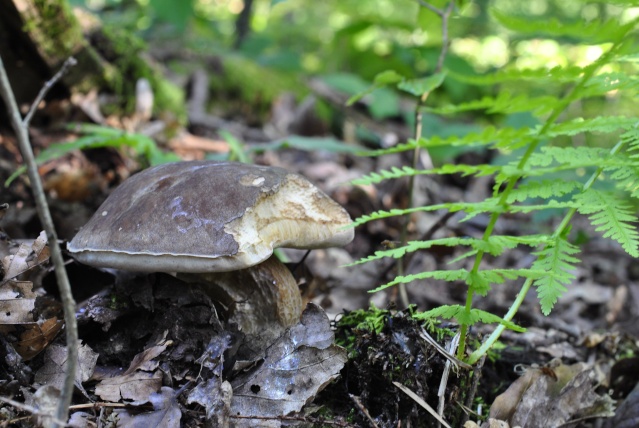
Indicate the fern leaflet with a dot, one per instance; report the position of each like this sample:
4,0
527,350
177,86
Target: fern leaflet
544,189
612,216
476,315
558,262
592,32
394,173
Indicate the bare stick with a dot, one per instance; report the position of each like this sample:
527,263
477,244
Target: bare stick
445,16
29,409
430,7
62,412
70,62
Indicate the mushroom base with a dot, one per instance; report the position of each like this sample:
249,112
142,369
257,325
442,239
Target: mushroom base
261,299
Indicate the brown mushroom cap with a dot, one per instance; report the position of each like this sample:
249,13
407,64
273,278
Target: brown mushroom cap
208,217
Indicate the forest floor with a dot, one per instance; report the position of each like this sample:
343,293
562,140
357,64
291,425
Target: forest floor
151,355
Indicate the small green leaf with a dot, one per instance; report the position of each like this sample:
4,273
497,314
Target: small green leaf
387,77
418,87
382,79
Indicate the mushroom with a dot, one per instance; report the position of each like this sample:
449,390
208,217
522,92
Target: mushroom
206,220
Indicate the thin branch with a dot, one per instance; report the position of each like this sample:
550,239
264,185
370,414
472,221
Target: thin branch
62,411
445,41
29,409
70,62
445,16
430,7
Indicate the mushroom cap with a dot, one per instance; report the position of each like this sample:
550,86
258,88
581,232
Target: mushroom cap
208,217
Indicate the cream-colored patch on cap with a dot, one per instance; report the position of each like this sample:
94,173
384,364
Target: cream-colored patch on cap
299,215
252,180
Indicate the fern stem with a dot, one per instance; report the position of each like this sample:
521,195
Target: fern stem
573,93
445,16
488,343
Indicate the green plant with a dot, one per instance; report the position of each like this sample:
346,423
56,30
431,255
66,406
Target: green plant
102,136
598,182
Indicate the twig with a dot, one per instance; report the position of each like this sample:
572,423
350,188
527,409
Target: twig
419,400
62,411
430,7
450,357
320,421
441,393
29,409
445,16
70,62
363,410
470,395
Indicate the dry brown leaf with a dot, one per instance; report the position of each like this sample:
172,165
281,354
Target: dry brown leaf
139,381
55,360
550,397
296,367
140,361
135,386
166,412
26,257
36,337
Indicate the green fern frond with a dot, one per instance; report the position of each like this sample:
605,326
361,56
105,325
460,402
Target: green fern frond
550,205
626,179
495,245
413,246
544,189
591,32
497,137
558,261
603,124
573,156
556,159
511,138
459,313
504,103
604,83
541,75
480,281
474,208
394,173
445,275
631,139
611,215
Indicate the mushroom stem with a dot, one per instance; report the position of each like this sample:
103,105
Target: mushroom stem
262,295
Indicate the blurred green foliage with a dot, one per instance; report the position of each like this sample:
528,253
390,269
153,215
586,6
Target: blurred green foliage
348,43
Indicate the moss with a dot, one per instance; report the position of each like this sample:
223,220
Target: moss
127,53
56,29
249,89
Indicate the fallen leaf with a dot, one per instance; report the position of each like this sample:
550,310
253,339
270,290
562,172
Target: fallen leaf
215,396
135,386
627,415
550,397
166,412
36,337
138,381
296,367
55,360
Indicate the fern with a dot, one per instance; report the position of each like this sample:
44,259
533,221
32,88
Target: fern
592,32
555,75
612,216
505,102
558,261
546,173
394,173
478,280
495,245
543,189
475,316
